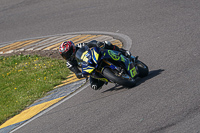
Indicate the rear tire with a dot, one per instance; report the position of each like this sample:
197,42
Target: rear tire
143,69
109,74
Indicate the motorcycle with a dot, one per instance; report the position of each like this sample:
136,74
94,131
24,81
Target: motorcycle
110,66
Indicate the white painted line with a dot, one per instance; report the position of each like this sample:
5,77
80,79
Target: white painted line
103,38
106,36
51,107
57,40
31,47
44,42
9,51
2,45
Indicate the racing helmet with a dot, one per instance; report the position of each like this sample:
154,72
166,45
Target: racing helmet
67,50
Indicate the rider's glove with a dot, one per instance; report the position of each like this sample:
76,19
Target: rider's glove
105,45
80,45
128,54
108,43
100,44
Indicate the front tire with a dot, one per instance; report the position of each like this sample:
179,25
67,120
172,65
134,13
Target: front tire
143,69
109,74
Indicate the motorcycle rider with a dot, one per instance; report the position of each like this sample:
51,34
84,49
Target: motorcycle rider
67,50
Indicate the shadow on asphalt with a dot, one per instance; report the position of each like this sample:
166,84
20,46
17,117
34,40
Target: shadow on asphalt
152,74
139,81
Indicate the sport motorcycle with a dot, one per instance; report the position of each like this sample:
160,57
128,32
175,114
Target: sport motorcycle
110,66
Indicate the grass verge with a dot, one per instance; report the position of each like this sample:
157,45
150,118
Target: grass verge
25,78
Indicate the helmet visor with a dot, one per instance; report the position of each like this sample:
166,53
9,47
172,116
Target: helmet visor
67,55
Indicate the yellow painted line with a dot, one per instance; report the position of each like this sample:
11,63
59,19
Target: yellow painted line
86,39
30,112
11,45
71,81
30,42
116,42
58,44
54,41
52,46
33,41
82,39
119,45
70,77
79,39
67,83
18,45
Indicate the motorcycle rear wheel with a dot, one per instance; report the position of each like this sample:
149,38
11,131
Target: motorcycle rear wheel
109,74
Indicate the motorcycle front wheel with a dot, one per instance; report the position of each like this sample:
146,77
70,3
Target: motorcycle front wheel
142,68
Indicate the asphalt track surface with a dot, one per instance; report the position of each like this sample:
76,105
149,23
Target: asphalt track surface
165,35
48,46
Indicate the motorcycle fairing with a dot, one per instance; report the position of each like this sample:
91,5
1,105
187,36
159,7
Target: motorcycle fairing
117,56
90,57
87,69
132,70
95,54
99,77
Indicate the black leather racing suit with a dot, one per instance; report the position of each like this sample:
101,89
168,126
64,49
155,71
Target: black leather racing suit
73,65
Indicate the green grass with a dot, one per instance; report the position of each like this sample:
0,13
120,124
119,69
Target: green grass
25,78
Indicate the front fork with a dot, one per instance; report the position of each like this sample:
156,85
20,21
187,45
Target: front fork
134,59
